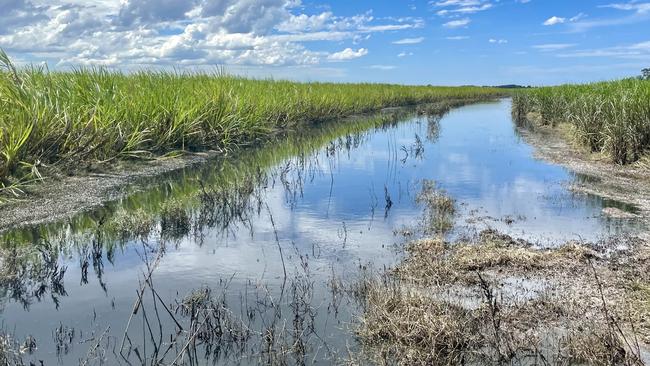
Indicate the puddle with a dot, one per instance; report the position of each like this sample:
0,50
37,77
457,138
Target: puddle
330,202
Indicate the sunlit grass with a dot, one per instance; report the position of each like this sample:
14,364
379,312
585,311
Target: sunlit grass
608,117
95,115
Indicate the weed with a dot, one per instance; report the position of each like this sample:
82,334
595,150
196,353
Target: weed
439,208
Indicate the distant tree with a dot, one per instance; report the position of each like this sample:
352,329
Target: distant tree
645,74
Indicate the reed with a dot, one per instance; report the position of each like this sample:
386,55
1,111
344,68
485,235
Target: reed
62,119
607,117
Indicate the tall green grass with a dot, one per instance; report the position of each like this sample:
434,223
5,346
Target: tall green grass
608,117
57,118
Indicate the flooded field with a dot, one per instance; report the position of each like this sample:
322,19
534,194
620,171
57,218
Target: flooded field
271,240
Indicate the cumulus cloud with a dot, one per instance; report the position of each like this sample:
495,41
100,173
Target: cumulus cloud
554,20
136,33
237,16
152,11
17,13
305,23
347,54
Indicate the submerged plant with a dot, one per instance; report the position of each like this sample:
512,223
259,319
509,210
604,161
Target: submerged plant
439,208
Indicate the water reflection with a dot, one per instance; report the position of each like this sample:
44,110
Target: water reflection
271,232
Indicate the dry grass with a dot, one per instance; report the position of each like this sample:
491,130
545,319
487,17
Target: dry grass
406,325
434,261
439,208
502,301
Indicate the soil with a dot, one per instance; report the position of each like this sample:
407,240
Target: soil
597,175
62,197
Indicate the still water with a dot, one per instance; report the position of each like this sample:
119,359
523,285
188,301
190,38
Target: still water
290,223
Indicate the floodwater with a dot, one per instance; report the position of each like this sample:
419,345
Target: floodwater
287,227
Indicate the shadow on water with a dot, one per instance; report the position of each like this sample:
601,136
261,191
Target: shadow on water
245,260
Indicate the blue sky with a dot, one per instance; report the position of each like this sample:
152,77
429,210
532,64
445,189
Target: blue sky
441,42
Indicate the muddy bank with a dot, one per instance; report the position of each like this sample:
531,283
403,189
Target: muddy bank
59,198
63,196
596,175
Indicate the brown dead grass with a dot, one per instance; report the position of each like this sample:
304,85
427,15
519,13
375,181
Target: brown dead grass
593,307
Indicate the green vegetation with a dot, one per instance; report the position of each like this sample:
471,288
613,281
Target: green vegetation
608,117
94,115
228,180
645,74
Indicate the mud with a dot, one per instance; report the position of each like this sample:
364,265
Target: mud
60,198
597,175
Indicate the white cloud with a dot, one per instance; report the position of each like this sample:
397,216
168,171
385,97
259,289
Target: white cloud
636,51
554,20
553,46
347,54
305,23
457,23
409,40
382,67
640,12
577,17
456,2
152,11
464,10
389,27
192,33
17,13
498,41
641,8
457,38
453,7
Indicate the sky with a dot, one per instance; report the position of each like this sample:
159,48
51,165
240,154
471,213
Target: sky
438,42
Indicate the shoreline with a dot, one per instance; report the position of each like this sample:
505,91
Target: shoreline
628,184
63,197
56,199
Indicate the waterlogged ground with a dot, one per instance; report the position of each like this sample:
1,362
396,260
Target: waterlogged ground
276,234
